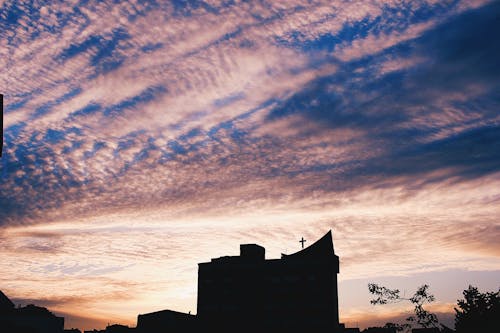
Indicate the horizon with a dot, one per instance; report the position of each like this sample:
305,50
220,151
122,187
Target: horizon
142,138
371,319
376,317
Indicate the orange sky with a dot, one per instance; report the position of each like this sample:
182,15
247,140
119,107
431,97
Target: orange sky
141,138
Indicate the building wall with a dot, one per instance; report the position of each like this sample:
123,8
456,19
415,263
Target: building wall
167,321
295,293
32,324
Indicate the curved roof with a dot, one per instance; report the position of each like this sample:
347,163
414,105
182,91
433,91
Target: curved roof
321,248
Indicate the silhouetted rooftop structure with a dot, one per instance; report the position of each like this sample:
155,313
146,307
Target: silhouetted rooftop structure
168,321
28,319
117,328
296,293
5,303
114,328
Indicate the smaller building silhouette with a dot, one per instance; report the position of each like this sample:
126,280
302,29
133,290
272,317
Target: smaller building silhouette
6,304
168,321
28,319
115,328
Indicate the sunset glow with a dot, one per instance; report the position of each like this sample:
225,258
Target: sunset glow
144,137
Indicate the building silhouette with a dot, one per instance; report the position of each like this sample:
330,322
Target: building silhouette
296,293
249,293
6,304
167,321
27,319
114,328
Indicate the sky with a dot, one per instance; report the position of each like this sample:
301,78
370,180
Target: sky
144,137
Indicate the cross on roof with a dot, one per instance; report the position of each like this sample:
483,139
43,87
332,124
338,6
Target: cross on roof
302,241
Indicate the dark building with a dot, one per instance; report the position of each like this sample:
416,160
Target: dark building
167,321
247,293
6,304
115,328
28,319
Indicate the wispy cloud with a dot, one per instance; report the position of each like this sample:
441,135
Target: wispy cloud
207,122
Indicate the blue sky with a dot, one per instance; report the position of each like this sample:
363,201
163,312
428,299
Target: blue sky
132,129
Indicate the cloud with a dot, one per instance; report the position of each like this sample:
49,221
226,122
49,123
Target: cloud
128,124
395,109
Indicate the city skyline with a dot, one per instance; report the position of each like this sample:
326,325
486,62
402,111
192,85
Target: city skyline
141,138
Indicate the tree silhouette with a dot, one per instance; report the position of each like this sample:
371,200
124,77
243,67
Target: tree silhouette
477,312
422,317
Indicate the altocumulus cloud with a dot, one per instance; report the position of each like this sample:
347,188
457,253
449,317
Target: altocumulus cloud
135,122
